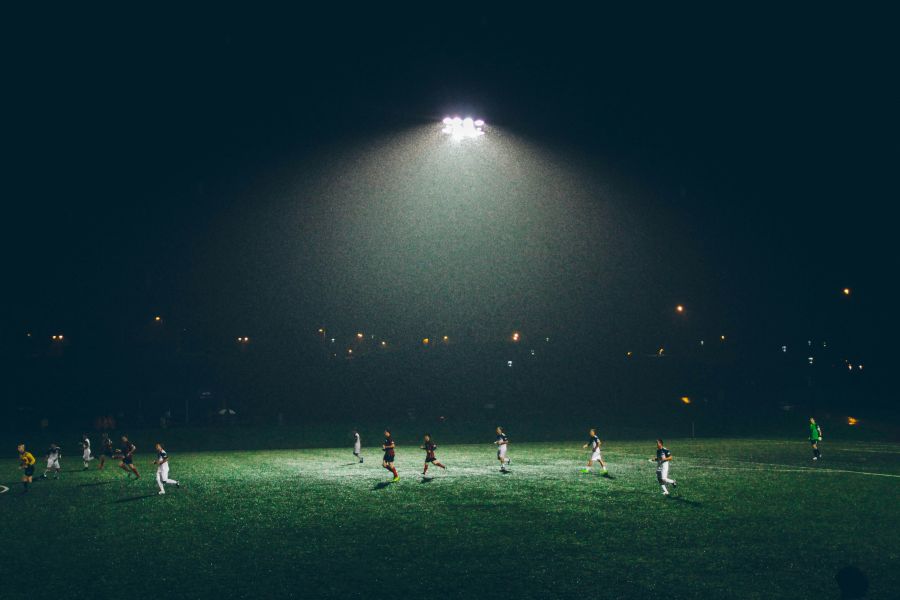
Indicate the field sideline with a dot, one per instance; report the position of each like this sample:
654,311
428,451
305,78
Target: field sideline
750,519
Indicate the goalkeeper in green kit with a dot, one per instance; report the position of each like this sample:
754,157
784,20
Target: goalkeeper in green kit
815,436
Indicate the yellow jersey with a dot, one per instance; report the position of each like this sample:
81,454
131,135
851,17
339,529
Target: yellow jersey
27,459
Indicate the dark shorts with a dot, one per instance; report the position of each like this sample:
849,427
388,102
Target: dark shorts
108,453
813,442
29,471
430,459
127,460
388,458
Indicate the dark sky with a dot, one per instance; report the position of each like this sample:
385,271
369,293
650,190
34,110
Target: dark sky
249,169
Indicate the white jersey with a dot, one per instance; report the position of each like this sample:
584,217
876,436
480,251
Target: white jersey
86,446
357,443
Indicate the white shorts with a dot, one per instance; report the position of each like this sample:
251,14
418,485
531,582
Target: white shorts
86,456
501,451
162,471
596,456
357,450
662,471
52,463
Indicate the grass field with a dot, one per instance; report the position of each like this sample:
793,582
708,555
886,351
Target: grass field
750,519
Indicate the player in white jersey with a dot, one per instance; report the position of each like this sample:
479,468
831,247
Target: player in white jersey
594,444
501,442
162,469
662,460
86,450
53,456
357,446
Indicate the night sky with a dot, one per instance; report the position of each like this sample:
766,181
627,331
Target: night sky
272,172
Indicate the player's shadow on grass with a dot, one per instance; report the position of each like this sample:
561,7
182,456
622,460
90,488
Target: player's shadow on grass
382,484
685,501
349,464
133,498
95,484
426,479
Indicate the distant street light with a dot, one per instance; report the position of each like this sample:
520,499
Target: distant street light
243,340
515,336
157,318
846,291
679,308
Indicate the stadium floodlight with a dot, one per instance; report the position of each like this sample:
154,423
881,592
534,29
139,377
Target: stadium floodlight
458,128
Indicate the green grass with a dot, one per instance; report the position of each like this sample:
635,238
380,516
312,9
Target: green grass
750,519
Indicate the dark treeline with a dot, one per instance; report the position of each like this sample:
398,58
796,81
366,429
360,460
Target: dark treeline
311,379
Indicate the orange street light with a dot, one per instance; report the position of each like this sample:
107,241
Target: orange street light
515,336
679,308
685,399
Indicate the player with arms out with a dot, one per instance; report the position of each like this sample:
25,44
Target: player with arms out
388,461
429,447
53,456
501,442
86,450
594,444
162,469
127,457
26,463
662,460
815,436
357,445
106,451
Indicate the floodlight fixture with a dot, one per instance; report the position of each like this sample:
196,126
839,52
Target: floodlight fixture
462,128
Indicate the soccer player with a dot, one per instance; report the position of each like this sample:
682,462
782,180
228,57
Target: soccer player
53,456
162,469
107,451
429,447
501,443
594,444
357,446
86,450
663,458
127,456
388,460
26,463
815,436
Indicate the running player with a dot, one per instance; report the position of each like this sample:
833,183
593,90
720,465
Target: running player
107,450
501,442
663,458
357,446
26,463
815,436
53,456
429,447
162,469
127,456
388,447
86,450
594,444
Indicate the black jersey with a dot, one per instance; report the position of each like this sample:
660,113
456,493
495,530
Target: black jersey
661,454
161,456
429,448
388,447
594,442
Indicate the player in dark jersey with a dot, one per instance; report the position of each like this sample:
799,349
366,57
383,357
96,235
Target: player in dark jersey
53,456
162,469
127,457
501,442
106,452
388,460
662,460
429,447
595,445
26,463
